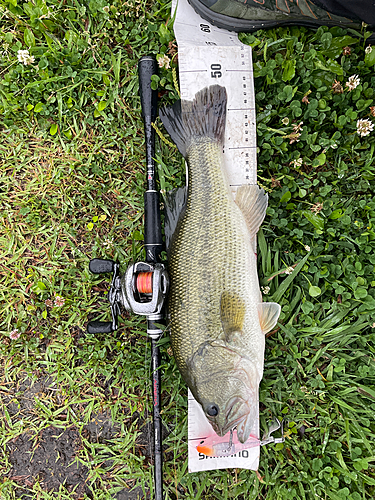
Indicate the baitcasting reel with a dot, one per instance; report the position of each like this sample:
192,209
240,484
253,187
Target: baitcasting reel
141,290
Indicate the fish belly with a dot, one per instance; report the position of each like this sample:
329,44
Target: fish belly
211,253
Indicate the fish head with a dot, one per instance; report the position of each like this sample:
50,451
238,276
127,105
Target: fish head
227,389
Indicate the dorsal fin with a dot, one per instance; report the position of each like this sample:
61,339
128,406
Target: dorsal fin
174,209
253,202
232,312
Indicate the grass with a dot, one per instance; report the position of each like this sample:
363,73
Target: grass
71,189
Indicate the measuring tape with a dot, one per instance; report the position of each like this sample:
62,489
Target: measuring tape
209,55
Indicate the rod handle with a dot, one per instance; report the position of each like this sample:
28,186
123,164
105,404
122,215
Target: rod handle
153,236
147,67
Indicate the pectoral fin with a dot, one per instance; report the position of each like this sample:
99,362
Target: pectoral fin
232,312
253,202
269,313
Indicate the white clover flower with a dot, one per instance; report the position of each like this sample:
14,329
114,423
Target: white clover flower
288,270
108,242
25,58
364,127
164,61
285,121
368,49
59,301
307,248
293,137
22,55
297,127
353,82
14,334
265,289
106,9
297,163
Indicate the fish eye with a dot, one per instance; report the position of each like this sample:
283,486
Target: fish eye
212,410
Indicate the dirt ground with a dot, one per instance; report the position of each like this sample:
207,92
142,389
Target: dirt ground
51,455
50,459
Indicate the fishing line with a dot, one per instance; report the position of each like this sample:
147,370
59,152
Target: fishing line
144,282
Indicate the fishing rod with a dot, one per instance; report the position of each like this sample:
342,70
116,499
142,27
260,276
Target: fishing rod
147,67
143,288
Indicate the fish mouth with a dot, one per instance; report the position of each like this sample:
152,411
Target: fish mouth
244,429
237,415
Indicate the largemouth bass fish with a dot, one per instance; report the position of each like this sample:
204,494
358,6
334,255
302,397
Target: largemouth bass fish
218,320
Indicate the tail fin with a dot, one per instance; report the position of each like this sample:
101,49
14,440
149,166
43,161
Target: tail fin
202,117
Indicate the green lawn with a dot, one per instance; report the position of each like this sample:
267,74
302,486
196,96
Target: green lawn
72,178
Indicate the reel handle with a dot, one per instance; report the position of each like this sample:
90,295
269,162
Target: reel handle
105,266
95,327
99,266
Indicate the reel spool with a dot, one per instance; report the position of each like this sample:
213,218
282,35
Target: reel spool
144,288
144,283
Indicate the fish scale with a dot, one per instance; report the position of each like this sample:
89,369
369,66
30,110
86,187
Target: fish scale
210,254
217,318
